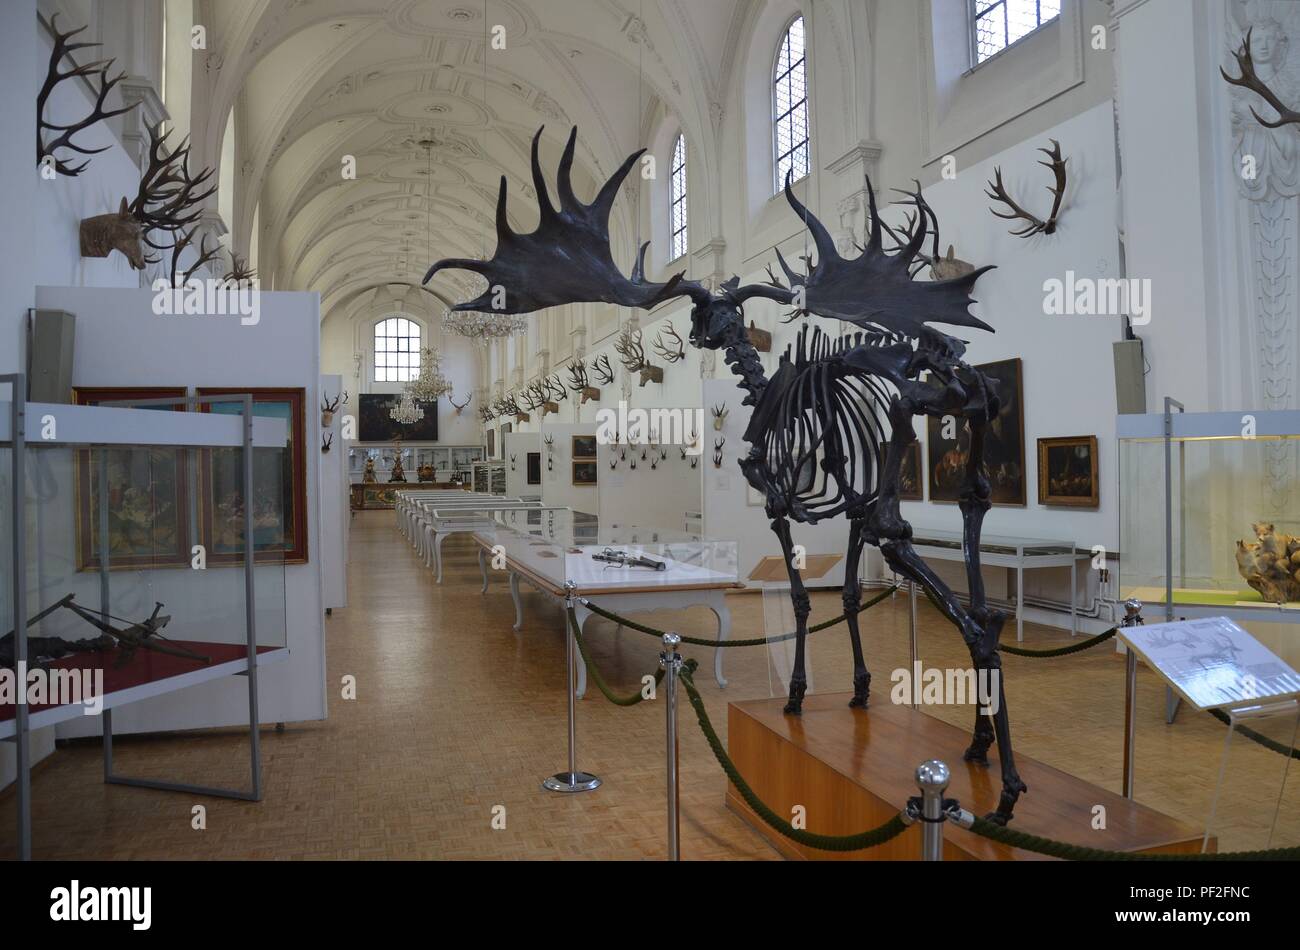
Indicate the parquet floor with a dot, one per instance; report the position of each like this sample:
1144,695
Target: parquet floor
456,715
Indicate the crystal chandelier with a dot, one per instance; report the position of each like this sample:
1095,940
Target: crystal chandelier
483,327
407,410
430,385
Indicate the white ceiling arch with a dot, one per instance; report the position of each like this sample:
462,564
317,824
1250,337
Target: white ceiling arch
314,80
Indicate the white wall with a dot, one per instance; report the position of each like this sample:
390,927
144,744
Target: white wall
335,502
120,342
557,484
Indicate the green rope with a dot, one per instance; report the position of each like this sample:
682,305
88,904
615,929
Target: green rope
1061,651
630,700
756,641
1263,740
1074,852
857,842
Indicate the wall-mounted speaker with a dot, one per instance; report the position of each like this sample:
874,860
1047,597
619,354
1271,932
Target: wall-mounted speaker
49,349
1130,377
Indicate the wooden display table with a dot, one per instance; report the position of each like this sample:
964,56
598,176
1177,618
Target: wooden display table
854,769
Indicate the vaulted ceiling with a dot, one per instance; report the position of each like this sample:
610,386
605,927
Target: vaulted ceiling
400,85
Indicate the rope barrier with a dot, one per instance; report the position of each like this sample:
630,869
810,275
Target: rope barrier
857,842
599,680
1074,852
1061,651
1251,734
756,641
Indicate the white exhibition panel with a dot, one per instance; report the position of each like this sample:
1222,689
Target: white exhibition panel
104,425
335,502
517,445
121,342
657,497
558,490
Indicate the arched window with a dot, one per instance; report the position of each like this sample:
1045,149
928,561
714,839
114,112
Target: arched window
790,106
677,199
397,350
996,24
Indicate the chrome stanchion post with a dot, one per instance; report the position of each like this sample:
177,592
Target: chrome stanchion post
932,780
1132,618
671,661
572,780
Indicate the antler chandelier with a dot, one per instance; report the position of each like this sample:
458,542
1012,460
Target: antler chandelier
430,385
407,411
483,327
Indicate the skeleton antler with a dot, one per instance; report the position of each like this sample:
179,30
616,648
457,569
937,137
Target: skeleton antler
1032,224
99,70
1249,79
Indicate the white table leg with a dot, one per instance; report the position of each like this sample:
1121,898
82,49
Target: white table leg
519,607
723,613
482,566
1074,596
1020,601
437,552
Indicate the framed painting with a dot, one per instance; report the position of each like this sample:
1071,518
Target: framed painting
1067,472
279,484
909,473
584,473
147,492
534,468
948,443
584,447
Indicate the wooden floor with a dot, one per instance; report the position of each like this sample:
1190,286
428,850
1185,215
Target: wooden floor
456,715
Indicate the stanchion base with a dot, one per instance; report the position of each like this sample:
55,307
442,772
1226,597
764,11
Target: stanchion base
571,782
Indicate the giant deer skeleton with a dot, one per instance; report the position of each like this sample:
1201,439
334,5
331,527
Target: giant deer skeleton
830,428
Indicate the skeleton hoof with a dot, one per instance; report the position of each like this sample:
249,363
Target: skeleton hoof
977,753
793,708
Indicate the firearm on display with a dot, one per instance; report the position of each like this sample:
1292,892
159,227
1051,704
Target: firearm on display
623,559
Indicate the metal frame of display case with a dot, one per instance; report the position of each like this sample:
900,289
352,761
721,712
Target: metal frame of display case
84,425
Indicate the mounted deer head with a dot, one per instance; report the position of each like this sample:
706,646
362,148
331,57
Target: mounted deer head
604,372
512,407
169,200
1032,224
760,339
555,391
717,451
947,267
719,416
328,408
1249,79
674,351
631,354
95,73
459,406
579,382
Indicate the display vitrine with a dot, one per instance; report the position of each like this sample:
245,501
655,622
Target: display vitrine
109,592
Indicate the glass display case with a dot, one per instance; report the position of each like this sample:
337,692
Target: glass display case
443,464
127,558
488,477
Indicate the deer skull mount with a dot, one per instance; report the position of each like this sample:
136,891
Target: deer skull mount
719,416
550,451
328,407
326,440
717,451
580,383
459,406
631,354
1030,223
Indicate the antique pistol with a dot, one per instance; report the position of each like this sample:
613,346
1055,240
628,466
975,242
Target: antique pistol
623,559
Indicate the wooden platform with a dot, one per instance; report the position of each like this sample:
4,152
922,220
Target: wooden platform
854,769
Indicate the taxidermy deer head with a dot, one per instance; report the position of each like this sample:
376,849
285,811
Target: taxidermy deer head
674,351
459,406
511,407
719,416
1249,79
1031,224
580,383
761,339
328,408
555,391
632,355
169,200
604,372
95,73
946,267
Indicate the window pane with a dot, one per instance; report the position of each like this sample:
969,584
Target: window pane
790,107
999,23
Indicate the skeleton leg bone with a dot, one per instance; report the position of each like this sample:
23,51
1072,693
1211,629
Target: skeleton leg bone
852,598
802,607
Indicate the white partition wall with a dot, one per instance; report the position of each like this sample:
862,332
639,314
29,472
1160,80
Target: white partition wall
557,476
120,342
515,449
657,493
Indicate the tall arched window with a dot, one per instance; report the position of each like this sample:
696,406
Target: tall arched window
790,106
397,350
996,24
677,199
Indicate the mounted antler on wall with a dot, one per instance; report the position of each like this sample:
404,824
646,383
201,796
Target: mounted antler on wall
512,406
63,134
451,398
328,407
553,386
240,271
760,339
604,372
205,256
631,354
579,382
1031,223
1249,79
946,267
719,416
168,200
674,351
326,440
